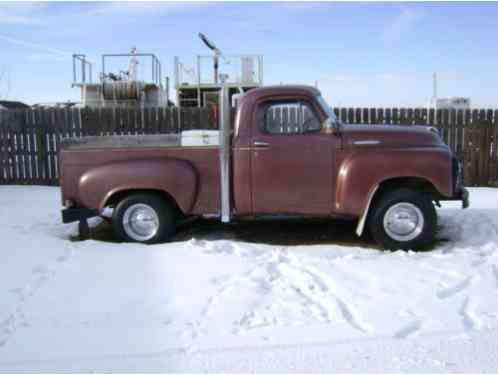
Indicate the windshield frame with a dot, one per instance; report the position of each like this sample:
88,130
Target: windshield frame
327,109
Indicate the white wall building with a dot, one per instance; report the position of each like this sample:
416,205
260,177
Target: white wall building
452,103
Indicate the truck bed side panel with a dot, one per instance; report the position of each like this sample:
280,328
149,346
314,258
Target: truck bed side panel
204,161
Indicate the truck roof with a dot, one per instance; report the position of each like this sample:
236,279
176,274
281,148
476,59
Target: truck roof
283,89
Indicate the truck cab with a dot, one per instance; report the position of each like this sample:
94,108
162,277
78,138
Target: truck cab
286,154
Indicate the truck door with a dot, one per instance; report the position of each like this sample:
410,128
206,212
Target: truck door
291,159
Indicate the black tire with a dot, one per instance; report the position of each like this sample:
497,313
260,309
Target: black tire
163,210
423,202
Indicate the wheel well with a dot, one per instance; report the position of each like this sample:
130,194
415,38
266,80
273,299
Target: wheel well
414,183
115,198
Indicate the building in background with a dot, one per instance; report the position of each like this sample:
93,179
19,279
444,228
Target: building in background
10,104
452,103
455,102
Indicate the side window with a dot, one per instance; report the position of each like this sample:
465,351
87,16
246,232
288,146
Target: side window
288,117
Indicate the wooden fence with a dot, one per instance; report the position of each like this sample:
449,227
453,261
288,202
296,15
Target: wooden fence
29,139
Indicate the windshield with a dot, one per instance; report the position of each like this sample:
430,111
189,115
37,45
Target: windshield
327,109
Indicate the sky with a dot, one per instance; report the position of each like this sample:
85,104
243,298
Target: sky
358,54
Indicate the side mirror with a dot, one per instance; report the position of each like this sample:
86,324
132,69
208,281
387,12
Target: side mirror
329,126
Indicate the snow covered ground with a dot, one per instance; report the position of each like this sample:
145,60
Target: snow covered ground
212,303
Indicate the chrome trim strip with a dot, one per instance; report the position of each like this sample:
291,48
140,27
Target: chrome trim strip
361,223
366,142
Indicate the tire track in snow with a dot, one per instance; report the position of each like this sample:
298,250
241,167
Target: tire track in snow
279,273
350,314
197,327
457,288
471,320
316,289
410,329
495,273
353,317
41,275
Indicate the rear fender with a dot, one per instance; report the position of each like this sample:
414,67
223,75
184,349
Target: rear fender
176,177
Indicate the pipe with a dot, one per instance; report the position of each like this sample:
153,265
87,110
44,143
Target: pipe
215,69
224,132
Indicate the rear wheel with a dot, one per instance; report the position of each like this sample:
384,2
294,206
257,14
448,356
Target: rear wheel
144,218
403,219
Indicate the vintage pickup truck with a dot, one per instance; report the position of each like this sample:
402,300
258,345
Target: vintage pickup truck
267,165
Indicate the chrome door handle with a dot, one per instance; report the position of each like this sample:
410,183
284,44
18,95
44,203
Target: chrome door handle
261,144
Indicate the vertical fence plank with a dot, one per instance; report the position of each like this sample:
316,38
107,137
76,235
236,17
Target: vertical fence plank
474,147
166,123
373,116
487,118
175,117
380,115
350,119
13,146
417,116
410,119
445,126
494,150
389,118
3,153
424,118
459,135
285,120
51,146
395,116
40,131
364,117
452,129
28,129
130,123
343,115
402,116
277,120
357,115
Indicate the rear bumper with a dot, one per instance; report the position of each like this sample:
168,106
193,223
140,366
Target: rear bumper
72,214
462,195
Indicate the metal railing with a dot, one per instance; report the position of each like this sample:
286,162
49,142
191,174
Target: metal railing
241,70
81,64
156,69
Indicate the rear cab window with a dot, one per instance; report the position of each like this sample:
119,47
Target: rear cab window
292,116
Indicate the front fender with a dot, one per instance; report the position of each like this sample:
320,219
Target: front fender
362,171
176,177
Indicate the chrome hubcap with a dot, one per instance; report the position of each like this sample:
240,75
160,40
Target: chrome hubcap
403,221
140,222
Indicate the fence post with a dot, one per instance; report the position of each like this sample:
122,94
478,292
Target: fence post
3,171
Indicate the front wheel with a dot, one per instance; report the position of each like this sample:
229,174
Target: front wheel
403,219
144,218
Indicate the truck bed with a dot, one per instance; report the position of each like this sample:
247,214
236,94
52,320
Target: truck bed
82,154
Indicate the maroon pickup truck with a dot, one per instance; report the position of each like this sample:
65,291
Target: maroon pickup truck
268,164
